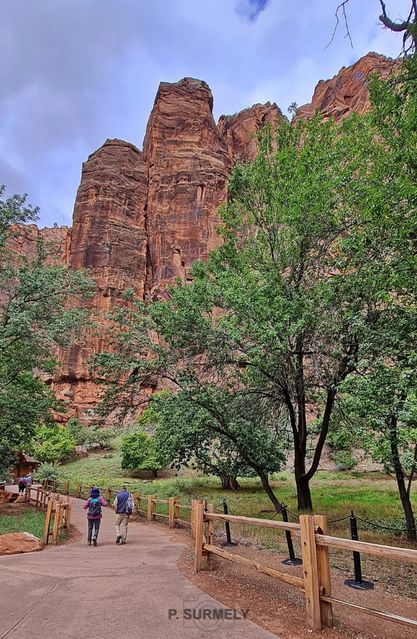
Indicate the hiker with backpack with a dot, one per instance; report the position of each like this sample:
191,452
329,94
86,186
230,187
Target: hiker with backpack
124,506
94,514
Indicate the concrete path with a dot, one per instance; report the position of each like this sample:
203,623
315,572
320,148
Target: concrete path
118,592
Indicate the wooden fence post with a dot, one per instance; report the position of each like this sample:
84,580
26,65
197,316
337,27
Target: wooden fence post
323,566
38,492
154,503
199,535
177,509
149,509
137,498
57,514
171,506
210,535
80,487
47,522
68,517
193,505
310,571
109,491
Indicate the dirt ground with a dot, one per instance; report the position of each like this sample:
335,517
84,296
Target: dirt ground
279,607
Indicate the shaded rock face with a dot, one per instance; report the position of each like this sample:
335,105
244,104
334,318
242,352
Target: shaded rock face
109,239
239,131
141,218
348,90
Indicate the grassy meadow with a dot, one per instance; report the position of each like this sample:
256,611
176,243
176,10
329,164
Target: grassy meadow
372,496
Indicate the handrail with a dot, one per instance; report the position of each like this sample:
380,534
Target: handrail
388,552
254,521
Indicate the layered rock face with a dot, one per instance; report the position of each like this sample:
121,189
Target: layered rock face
348,90
142,218
188,171
239,131
109,239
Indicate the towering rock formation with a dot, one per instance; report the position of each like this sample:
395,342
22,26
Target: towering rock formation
142,218
109,239
348,90
188,171
239,131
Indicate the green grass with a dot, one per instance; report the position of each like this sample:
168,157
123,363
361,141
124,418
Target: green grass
30,521
371,496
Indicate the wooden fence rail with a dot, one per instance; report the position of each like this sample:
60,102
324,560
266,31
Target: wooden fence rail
58,511
315,546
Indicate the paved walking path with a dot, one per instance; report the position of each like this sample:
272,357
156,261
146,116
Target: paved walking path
75,591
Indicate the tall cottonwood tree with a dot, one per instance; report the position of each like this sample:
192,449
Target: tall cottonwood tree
34,319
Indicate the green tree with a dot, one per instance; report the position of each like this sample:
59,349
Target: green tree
35,318
53,443
188,433
139,452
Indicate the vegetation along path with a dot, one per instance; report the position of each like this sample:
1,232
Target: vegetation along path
130,591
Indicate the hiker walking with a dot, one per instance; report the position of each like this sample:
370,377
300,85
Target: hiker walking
94,514
124,506
22,485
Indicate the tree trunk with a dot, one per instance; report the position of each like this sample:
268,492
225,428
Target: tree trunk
304,501
302,482
399,475
268,489
229,483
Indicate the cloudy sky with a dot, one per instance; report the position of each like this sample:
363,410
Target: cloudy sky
75,72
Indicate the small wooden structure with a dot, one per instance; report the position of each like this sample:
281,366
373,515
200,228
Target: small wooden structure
25,464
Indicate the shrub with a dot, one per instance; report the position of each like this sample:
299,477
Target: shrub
343,460
48,471
139,452
53,443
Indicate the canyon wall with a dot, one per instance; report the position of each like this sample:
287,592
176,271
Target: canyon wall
141,218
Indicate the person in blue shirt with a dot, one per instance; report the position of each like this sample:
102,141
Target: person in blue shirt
124,507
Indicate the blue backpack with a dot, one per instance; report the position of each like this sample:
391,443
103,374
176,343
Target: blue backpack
94,507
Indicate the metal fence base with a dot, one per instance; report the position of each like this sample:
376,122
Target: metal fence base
359,585
292,562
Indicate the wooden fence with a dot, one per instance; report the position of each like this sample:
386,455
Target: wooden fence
315,545
57,508
146,505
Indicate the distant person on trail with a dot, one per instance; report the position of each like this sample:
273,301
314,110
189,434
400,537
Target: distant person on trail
94,514
29,479
22,485
124,506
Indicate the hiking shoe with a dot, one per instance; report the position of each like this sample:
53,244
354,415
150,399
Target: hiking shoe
95,541
123,541
89,543
118,539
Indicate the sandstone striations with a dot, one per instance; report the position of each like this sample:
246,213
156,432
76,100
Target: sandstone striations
142,218
239,131
188,171
348,90
109,239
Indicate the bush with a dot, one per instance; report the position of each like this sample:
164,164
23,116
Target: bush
89,435
139,452
343,460
53,443
50,472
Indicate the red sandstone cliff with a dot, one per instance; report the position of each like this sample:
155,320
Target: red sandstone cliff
142,218
348,90
239,131
188,171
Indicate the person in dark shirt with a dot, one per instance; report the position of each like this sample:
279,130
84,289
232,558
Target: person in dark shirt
94,514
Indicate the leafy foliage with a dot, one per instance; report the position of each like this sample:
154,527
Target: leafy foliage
139,452
53,443
35,318
48,471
